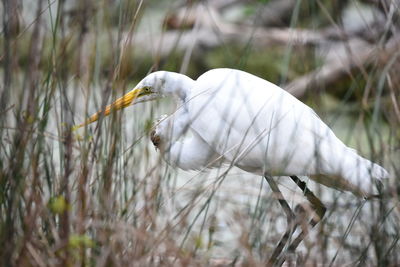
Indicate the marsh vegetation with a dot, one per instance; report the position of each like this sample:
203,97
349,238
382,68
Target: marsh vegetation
101,196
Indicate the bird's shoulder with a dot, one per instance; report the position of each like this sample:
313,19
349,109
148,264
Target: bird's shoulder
232,80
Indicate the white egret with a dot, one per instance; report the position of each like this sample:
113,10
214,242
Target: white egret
239,118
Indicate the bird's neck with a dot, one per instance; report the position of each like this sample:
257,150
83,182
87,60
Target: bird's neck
180,85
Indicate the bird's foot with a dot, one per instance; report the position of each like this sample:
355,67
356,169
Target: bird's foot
155,139
156,135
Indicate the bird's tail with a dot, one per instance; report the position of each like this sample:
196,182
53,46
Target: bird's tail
362,173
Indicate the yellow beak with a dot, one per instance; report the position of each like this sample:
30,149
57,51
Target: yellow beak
120,103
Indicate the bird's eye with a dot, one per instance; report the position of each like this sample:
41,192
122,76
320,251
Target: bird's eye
147,89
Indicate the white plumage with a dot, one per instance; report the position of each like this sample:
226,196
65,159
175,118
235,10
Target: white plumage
228,115
262,129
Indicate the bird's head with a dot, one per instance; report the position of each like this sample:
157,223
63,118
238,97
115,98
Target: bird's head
153,86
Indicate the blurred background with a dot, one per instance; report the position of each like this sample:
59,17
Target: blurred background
101,196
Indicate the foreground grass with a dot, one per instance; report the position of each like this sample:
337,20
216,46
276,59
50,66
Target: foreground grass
101,196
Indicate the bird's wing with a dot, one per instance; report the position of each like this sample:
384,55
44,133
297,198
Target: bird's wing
263,129
256,123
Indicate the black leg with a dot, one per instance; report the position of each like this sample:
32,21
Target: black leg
317,206
291,223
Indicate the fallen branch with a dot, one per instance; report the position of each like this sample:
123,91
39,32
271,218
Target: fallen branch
334,70
166,42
